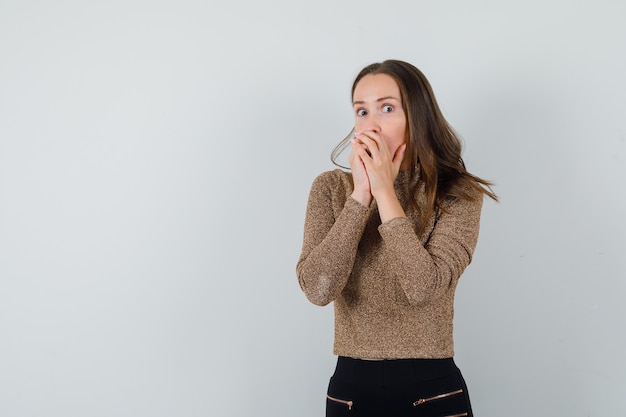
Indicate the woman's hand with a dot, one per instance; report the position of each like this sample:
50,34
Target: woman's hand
381,169
362,192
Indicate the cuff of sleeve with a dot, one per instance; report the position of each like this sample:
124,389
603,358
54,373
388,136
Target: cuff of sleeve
393,224
352,204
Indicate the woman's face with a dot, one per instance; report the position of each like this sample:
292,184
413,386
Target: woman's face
378,107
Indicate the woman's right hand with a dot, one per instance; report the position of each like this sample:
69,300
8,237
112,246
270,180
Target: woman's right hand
362,191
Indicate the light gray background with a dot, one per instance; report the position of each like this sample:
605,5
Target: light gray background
155,161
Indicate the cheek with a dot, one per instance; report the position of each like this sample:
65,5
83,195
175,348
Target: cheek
393,143
400,133
394,135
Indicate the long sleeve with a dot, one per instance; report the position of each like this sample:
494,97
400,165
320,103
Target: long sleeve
427,270
333,227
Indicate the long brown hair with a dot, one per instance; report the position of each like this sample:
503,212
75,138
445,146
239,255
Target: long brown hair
434,147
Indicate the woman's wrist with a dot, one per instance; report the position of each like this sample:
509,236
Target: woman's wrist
363,197
389,206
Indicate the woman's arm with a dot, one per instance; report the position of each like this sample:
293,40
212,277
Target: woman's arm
426,271
330,244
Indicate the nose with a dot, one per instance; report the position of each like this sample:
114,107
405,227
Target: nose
371,123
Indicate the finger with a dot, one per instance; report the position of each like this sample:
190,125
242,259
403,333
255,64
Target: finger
369,139
399,155
368,135
361,147
381,146
356,156
372,134
398,158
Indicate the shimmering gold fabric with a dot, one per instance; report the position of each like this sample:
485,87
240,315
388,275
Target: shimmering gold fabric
393,290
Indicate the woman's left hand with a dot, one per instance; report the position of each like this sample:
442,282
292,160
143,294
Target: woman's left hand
382,169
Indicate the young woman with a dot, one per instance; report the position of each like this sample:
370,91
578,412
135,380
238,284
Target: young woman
387,244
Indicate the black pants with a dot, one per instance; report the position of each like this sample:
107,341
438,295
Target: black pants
397,388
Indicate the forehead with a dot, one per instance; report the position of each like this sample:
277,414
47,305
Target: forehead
374,86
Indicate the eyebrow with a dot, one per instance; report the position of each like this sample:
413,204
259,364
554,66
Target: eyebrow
378,100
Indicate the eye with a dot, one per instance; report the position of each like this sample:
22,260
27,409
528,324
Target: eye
361,112
387,108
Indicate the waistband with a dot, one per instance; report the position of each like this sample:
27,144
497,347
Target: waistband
392,371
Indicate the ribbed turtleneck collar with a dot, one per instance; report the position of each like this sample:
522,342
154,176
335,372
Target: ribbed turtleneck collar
404,176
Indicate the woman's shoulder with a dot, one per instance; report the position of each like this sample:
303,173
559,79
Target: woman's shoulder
334,179
466,199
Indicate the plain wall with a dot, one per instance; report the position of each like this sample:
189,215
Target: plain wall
156,158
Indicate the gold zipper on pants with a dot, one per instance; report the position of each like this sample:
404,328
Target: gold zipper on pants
348,403
438,397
